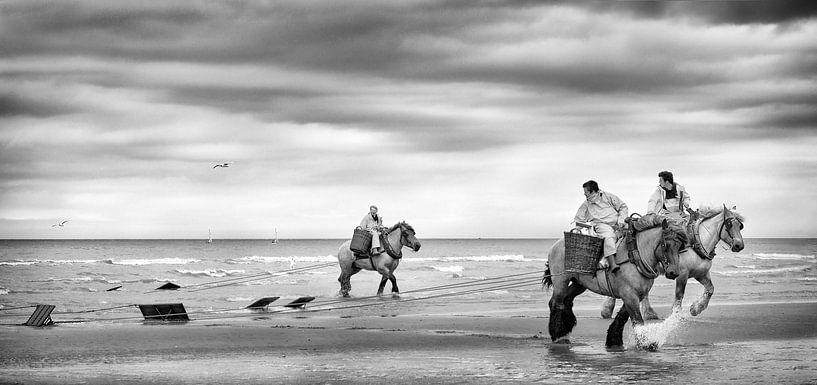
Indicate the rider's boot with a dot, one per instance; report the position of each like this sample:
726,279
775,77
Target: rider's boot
611,261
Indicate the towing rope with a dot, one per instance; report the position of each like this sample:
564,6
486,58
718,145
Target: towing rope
509,281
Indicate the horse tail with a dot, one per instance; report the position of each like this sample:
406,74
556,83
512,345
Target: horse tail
546,279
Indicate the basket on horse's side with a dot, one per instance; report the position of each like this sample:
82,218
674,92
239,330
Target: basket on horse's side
582,252
361,241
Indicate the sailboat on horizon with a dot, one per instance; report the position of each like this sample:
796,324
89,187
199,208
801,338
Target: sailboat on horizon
275,241
209,236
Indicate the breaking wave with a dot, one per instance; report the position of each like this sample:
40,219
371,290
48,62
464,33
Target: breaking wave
780,270
210,273
783,256
157,261
291,259
477,258
26,262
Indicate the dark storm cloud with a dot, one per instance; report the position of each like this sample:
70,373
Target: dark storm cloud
88,27
256,100
715,11
410,42
12,105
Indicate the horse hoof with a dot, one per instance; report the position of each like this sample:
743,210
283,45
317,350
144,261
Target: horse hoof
651,347
652,317
562,341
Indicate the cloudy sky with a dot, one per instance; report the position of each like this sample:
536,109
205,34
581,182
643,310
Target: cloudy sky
464,118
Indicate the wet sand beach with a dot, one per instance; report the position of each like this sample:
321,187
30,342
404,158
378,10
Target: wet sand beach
729,343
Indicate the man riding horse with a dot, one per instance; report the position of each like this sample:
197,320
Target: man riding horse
670,199
373,223
606,212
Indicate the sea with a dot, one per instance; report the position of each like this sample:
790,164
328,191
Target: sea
229,274
101,281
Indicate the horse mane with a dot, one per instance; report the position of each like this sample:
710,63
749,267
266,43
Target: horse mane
679,232
707,212
404,224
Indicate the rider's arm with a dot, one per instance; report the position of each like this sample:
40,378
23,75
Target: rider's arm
621,208
581,214
654,204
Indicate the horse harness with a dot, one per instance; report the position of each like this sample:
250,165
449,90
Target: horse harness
636,223
697,245
384,241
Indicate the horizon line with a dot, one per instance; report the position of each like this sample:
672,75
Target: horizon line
306,239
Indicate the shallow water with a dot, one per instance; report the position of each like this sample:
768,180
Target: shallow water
76,274
496,361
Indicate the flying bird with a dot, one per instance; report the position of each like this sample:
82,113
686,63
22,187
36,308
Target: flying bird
227,164
61,224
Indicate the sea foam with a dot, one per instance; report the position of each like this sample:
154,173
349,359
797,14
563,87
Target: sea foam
783,256
290,259
158,261
779,270
219,273
473,258
653,335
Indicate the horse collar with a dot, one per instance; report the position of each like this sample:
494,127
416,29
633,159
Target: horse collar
698,245
384,240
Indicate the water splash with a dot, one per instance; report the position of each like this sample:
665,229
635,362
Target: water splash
652,336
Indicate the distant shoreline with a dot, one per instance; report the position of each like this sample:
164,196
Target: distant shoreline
325,239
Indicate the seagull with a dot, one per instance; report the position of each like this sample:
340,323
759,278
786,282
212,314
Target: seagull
61,224
227,164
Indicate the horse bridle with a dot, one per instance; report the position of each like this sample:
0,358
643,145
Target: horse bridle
662,257
404,236
727,223
403,241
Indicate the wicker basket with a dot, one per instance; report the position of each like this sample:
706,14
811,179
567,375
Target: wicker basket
361,241
582,252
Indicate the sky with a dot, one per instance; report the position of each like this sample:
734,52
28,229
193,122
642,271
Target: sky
463,118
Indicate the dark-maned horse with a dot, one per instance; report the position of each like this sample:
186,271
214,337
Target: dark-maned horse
399,235
657,246
717,225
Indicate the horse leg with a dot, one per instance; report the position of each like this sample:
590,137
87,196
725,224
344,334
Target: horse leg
630,310
383,280
607,308
394,289
345,279
647,310
615,333
680,289
573,291
559,324
702,302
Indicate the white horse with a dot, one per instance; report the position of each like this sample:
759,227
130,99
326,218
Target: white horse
399,235
717,225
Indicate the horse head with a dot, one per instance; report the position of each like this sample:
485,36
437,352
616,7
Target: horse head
730,229
672,241
408,237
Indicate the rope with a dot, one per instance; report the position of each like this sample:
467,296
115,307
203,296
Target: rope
92,310
490,284
265,273
18,307
433,288
256,277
